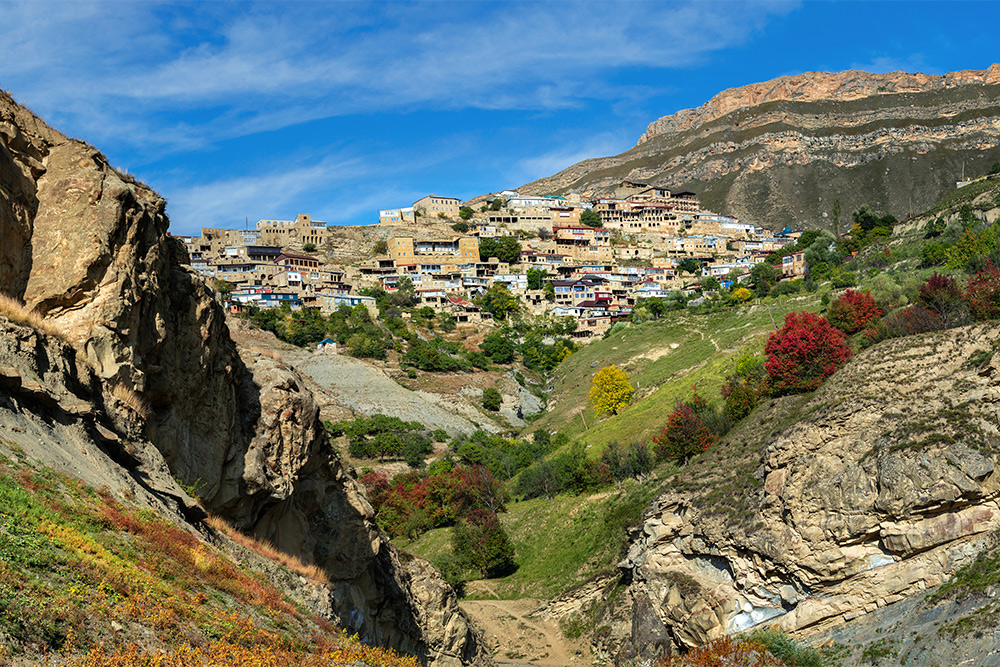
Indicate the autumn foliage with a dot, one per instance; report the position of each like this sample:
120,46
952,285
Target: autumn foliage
414,502
685,433
610,390
803,353
982,293
853,311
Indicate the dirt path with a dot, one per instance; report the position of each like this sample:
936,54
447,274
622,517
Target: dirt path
517,638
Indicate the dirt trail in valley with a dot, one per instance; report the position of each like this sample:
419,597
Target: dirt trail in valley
519,639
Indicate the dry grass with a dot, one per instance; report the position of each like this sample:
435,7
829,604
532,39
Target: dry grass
17,312
132,399
265,352
269,551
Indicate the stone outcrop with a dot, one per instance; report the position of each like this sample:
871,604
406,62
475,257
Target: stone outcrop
780,152
882,487
87,246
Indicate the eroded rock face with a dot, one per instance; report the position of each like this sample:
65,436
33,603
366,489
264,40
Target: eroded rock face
780,152
883,487
88,247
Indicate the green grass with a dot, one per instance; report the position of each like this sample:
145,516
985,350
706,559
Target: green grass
707,346
560,543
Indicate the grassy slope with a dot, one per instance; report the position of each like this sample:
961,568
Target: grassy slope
559,542
707,346
562,542
87,579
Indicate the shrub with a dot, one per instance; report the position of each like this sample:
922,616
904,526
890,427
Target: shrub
499,348
309,247
743,389
942,296
853,311
685,434
982,293
742,294
610,390
786,287
624,461
461,227
845,279
492,400
934,254
481,543
803,353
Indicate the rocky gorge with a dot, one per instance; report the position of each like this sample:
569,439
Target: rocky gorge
86,247
820,510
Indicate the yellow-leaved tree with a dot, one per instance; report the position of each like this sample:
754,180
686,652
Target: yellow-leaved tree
611,390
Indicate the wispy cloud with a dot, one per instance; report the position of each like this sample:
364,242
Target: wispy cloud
242,69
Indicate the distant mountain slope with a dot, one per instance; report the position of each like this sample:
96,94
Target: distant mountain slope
780,152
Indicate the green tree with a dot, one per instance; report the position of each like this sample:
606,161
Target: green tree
689,265
405,294
465,213
479,542
381,247
536,277
610,390
492,400
497,204
498,347
309,247
461,227
498,301
504,248
591,218
223,287
762,278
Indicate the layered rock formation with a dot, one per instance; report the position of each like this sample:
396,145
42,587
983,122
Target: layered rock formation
882,486
780,152
87,246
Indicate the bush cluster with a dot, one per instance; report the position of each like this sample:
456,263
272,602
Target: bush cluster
384,437
412,503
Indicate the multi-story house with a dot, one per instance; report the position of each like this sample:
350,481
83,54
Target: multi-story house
303,230
436,252
433,205
397,216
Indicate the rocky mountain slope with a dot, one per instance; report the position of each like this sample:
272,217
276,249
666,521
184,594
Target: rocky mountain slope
819,509
780,152
87,247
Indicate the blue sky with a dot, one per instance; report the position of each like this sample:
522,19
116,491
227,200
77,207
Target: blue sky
238,111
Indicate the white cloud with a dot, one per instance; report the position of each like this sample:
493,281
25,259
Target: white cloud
121,70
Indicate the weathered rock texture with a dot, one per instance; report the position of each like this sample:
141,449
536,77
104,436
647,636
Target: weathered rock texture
780,152
882,486
88,247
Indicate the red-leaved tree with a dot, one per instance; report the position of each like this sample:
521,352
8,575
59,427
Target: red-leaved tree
804,352
684,435
942,296
982,293
853,311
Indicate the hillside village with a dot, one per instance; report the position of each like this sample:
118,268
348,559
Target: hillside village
591,259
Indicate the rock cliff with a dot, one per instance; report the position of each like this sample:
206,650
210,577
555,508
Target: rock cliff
87,246
820,509
780,152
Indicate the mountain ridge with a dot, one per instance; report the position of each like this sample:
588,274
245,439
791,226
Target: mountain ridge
781,152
